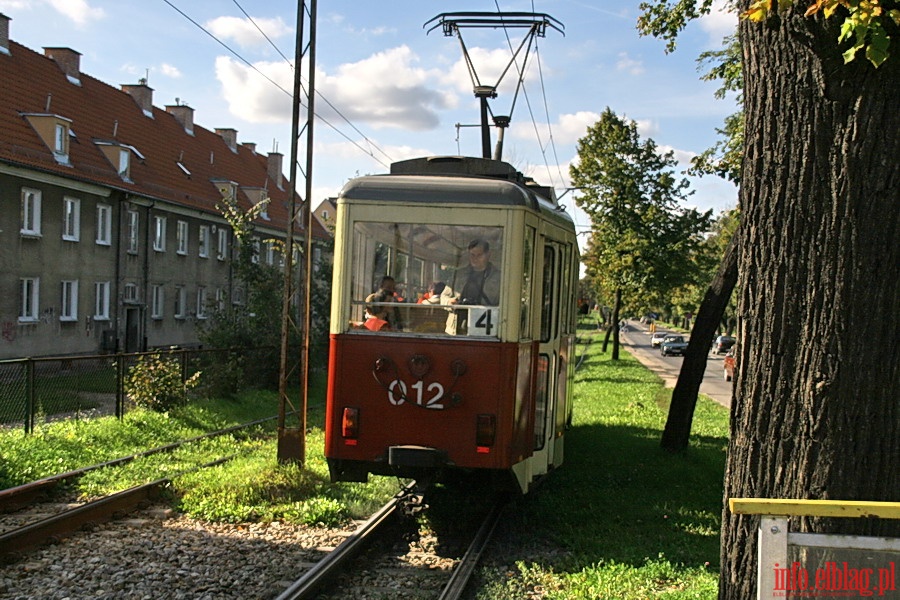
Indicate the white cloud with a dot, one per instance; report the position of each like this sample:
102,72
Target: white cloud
647,127
629,65
79,11
720,22
245,33
250,96
489,65
169,70
384,90
682,156
568,129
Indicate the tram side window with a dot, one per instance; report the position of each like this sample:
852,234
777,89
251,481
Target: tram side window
446,278
547,308
527,265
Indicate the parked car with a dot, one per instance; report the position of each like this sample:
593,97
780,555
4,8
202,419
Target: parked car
657,338
729,365
723,344
673,345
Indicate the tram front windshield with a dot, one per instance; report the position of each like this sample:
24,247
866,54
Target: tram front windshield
411,278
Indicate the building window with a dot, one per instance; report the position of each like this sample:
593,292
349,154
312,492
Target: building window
157,301
133,222
104,224
201,302
180,299
71,219
31,212
159,234
182,237
254,258
69,309
204,241
101,301
61,143
220,299
270,252
237,297
28,308
130,293
124,162
222,248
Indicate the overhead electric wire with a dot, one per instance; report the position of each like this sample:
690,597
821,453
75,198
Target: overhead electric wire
267,78
318,93
528,104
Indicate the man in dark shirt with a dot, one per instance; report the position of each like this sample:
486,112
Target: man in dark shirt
481,277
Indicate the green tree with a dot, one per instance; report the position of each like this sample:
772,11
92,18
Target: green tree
814,413
642,240
253,322
724,158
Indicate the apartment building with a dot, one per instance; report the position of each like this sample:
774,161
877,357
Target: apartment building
110,234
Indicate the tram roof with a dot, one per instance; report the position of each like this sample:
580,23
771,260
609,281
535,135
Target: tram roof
453,180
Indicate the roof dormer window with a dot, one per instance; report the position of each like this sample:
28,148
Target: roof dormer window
55,132
119,156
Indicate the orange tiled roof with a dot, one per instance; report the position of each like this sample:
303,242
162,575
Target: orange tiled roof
99,112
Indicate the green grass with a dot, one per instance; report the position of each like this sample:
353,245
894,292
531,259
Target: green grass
622,519
251,486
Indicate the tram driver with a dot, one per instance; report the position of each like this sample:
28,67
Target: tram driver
481,277
481,285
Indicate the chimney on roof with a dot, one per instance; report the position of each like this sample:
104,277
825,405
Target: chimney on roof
184,114
230,137
251,146
4,33
142,94
274,171
68,60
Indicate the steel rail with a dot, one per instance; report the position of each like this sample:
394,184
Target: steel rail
17,541
328,567
463,571
15,498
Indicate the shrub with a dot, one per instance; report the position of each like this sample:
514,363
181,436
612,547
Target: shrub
155,382
224,378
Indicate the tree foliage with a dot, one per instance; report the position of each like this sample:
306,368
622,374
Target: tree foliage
643,241
865,22
724,158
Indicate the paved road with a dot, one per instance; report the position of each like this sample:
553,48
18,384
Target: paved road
637,341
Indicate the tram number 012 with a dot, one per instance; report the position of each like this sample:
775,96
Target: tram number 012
427,395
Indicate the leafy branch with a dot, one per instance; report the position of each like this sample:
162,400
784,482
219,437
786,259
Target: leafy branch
864,23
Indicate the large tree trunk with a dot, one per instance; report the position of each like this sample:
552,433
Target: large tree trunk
815,412
684,397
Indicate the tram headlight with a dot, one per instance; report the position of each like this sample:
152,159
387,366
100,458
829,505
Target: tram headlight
485,432
350,425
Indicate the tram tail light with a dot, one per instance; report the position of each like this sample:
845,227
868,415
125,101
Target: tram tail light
485,431
350,425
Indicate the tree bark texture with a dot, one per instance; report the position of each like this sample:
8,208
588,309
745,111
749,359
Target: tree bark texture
816,412
684,397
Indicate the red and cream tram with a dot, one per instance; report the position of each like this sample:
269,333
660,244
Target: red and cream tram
452,324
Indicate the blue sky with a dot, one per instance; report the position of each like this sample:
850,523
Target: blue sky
402,91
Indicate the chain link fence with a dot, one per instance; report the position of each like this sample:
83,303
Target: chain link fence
40,390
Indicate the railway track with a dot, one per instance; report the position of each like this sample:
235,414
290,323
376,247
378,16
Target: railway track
14,498
340,574
16,542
